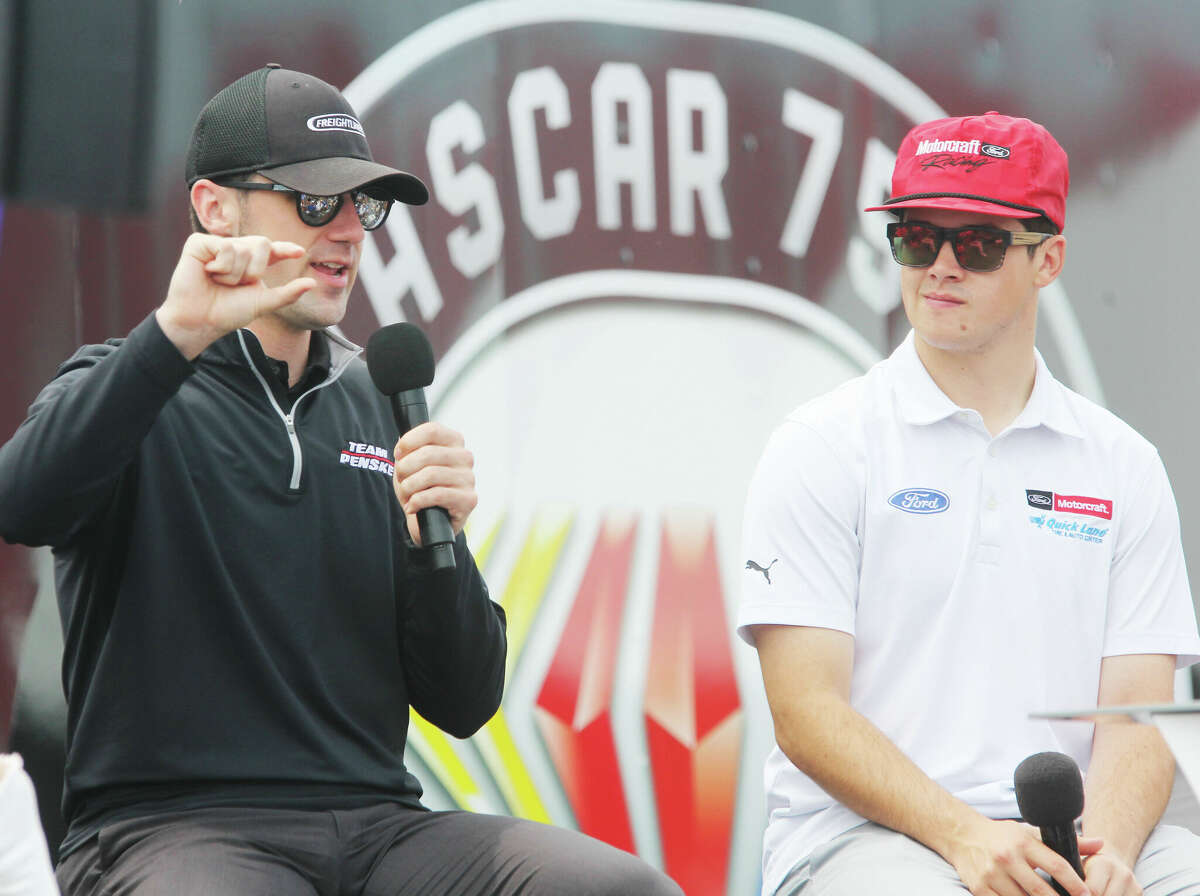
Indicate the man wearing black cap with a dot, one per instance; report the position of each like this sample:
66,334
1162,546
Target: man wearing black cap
248,614
957,541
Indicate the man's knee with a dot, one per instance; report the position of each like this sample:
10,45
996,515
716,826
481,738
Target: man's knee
873,859
639,879
1170,862
584,865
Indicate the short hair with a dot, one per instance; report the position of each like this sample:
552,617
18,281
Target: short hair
197,227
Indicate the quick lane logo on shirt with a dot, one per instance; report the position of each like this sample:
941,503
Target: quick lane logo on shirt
367,457
1076,529
1043,500
920,500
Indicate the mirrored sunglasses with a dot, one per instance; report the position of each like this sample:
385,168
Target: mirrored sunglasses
916,244
316,211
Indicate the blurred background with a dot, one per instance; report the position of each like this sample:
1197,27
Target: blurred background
644,247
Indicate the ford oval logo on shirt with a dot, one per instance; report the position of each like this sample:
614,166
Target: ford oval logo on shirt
920,500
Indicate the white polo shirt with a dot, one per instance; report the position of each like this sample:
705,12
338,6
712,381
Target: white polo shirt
982,578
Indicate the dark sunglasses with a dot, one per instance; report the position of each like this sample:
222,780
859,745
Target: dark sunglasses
316,211
916,244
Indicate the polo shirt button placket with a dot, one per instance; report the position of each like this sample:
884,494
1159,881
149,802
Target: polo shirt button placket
989,520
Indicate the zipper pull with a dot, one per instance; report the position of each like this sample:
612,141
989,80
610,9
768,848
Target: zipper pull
290,421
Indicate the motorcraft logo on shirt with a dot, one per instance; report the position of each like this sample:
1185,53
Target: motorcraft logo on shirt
367,457
1044,500
1080,504
920,500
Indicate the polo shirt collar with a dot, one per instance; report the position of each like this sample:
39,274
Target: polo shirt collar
921,402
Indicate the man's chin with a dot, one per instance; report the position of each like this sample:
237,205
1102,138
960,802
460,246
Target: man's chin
315,312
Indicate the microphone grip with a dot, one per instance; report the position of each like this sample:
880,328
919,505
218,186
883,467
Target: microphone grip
1062,839
437,534
409,409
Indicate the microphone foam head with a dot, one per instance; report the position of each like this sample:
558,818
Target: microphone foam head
1049,789
399,358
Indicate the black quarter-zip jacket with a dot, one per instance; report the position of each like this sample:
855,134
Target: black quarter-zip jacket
245,621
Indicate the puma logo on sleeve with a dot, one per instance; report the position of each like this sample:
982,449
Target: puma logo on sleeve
765,570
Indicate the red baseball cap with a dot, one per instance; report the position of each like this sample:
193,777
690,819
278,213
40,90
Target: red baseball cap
989,163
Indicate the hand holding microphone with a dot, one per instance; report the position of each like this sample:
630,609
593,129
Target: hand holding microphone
400,361
1050,796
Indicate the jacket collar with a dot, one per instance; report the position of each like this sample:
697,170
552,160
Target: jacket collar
330,349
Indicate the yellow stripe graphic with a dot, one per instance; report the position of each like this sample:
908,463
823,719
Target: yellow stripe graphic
437,752
526,586
523,596
484,551
432,744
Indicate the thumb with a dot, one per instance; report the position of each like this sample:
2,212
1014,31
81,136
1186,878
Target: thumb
280,296
1090,845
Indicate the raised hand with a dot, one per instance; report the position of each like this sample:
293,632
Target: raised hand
217,287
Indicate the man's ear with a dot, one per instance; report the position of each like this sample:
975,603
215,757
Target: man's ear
216,207
1051,255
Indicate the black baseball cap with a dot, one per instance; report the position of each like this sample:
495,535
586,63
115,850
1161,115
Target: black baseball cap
296,130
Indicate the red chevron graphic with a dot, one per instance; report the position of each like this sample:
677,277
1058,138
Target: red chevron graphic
573,708
693,714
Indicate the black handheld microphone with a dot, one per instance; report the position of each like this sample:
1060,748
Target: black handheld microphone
400,361
1050,796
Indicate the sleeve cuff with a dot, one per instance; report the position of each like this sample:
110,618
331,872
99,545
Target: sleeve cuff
157,355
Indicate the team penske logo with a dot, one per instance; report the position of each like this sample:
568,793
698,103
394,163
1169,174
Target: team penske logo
362,456
1079,504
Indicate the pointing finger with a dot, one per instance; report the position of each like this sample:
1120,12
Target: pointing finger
282,249
240,261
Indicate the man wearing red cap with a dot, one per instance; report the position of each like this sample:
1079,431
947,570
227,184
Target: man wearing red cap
956,541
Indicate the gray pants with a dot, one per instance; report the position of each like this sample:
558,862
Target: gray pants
874,859
378,851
